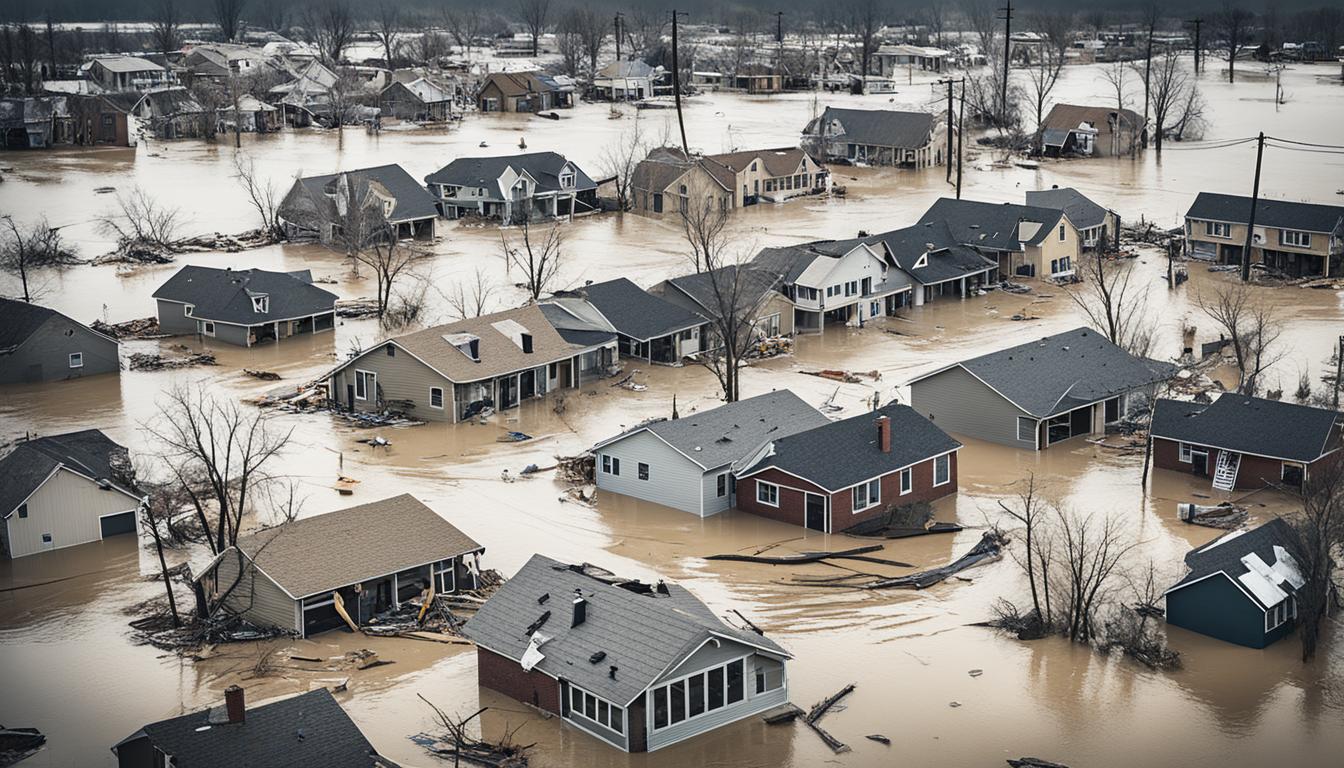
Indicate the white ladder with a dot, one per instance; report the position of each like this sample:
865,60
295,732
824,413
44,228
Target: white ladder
1225,475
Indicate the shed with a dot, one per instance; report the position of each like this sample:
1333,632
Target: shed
38,344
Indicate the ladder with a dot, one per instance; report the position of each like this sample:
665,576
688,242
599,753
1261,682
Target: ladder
1225,474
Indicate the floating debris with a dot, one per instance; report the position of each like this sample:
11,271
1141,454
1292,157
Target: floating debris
147,361
263,375
513,437
142,328
988,549
819,710
1226,516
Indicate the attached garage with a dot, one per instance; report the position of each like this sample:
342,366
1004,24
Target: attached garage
118,524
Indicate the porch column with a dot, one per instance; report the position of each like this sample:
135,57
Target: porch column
396,593
964,286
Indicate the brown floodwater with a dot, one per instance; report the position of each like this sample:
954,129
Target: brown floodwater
69,666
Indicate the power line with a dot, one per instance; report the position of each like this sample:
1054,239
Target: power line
1307,143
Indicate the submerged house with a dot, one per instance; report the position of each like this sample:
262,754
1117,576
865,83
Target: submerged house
936,263
844,281
311,207
40,344
877,137
755,292
1243,442
837,475
63,490
638,666
521,92
688,463
303,731
646,326
455,371
1241,588
667,182
1041,393
1075,130
421,99
771,175
171,112
1098,228
1026,240
302,575
126,73
627,80
244,306
1299,239
514,188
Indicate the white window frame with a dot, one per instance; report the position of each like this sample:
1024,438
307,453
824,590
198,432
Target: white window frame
642,471
1294,238
75,359
762,486
611,465
747,693
261,304
208,328
1061,233
362,376
1217,229
946,458
721,485
575,692
872,495
1183,453
907,479
432,390
187,309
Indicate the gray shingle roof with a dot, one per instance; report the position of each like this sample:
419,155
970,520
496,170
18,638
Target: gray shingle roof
1065,371
843,453
636,313
791,261
1231,548
1251,425
544,167
19,320
1308,217
304,731
1082,212
992,226
1067,117
321,553
881,127
642,635
413,201
756,285
726,434
88,452
947,258
225,295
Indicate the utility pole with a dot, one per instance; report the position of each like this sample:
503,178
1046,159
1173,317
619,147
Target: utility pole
1148,68
779,41
1007,10
616,26
1197,23
961,135
676,83
948,154
1255,202
1339,370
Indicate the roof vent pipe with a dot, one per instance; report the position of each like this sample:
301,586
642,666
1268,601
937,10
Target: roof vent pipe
580,609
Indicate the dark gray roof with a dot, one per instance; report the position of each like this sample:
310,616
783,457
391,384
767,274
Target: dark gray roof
1251,425
843,453
992,226
881,127
755,285
947,259
1285,214
303,731
88,452
413,201
19,320
1225,555
642,634
225,295
544,167
1082,212
1062,372
729,433
791,261
637,313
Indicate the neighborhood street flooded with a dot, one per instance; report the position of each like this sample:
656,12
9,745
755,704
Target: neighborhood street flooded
69,660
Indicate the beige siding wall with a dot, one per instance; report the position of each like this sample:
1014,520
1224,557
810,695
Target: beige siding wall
700,186
256,598
780,304
1320,243
1052,248
400,377
68,507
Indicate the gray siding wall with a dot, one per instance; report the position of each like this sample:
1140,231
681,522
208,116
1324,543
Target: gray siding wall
707,656
45,356
231,334
709,491
751,704
256,598
400,377
68,507
674,480
172,319
958,402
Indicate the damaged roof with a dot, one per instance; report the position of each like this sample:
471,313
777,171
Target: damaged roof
88,452
1250,425
1082,212
642,635
747,284
318,554
1259,561
226,295
413,201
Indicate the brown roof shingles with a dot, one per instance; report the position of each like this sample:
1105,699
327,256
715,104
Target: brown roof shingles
499,354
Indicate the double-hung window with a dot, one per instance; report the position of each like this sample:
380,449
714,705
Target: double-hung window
1026,429
942,469
867,494
1184,455
1294,239
767,493
1217,229
436,397
907,480
611,465
643,471
365,384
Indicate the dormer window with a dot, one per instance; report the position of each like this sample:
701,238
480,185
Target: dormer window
922,262
261,304
567,179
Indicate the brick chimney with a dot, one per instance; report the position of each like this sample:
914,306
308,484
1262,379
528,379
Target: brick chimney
884,434
233,704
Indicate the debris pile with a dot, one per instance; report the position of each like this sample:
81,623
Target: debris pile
1226,516
860,554
770,346
819,710
580,469
195,633
150,361
903,522
845,377
987,550
142,328
439,621
356,307
17,744
628,382
263,375
461,746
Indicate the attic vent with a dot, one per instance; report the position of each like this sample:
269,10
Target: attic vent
596,657
544,597
612,672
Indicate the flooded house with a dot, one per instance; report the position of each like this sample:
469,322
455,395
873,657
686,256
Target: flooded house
35,122
668,183
1026,240
310,208
345,567
521,92
688,463
1241,588
302,731
1297,239
629,80
936,262
244,307
455,371
171,112
38,343
646,326
840,281
1098,227
770,175
837,475
64,490
125,73
877,137
514,188
422,99
710,294
895,60
640,667
1041,393
1076,130
1245,443
104,119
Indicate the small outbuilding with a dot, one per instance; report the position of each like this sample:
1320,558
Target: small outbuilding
40,344
244,306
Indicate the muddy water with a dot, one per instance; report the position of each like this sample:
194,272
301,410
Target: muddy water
64,644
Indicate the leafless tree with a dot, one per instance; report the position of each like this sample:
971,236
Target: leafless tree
1116,75
141,220
569,43
27,251
468,299
1233,26
165,23
619,160
386,25
1170,91
1043,74
464,25
1319,526
644,29
1151,14
1091,547
866,23
155,516
343,97
1114,298
261,193
935,21
591,27
228,448
1251,326
428,46
390,258
228,15
332,27
534,14
1029,511
538,259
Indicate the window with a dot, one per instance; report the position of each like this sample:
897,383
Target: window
695,695
365,382
660,707
1061,233
643,470
721,485
208,328
391,350
567,179
657,202
1217,229
261,304
767,493
596,710
76,359
1295,239
1066,264
677,693
1184,455
611,465
1292,474
714,688
753,166
46,538
1054,266
942,469
187,309
23,511
700,693
436,397
768,678
1277,615
1026,429
867,494
907,480
735,681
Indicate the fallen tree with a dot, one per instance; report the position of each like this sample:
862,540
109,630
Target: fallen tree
987,550
819,710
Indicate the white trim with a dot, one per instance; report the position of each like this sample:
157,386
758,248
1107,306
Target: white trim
67,468
1244,453
438,407
658,678
744,474
374,374
1235,583
937,484
70,360
871,502
901,475
759,500
669,682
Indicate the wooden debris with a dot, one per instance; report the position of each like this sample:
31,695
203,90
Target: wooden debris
263,375
345,485
458,744
146,361
834,375
807,557
879,738
784,713
819,710
750,625
436,637
988,549
356,307
17,744
142,328
1226,516
1034,762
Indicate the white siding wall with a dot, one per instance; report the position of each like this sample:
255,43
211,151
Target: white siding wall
713,503
674,480
256,597
67,506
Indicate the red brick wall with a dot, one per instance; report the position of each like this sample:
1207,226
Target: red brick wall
1254,472
503,674
1167,455
1257,471
791,507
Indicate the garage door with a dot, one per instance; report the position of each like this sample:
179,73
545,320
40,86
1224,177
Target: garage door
114,525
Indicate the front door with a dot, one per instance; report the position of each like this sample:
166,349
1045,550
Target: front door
527,382
1199,462
816,512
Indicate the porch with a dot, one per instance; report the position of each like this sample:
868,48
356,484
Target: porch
365,600
284,329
